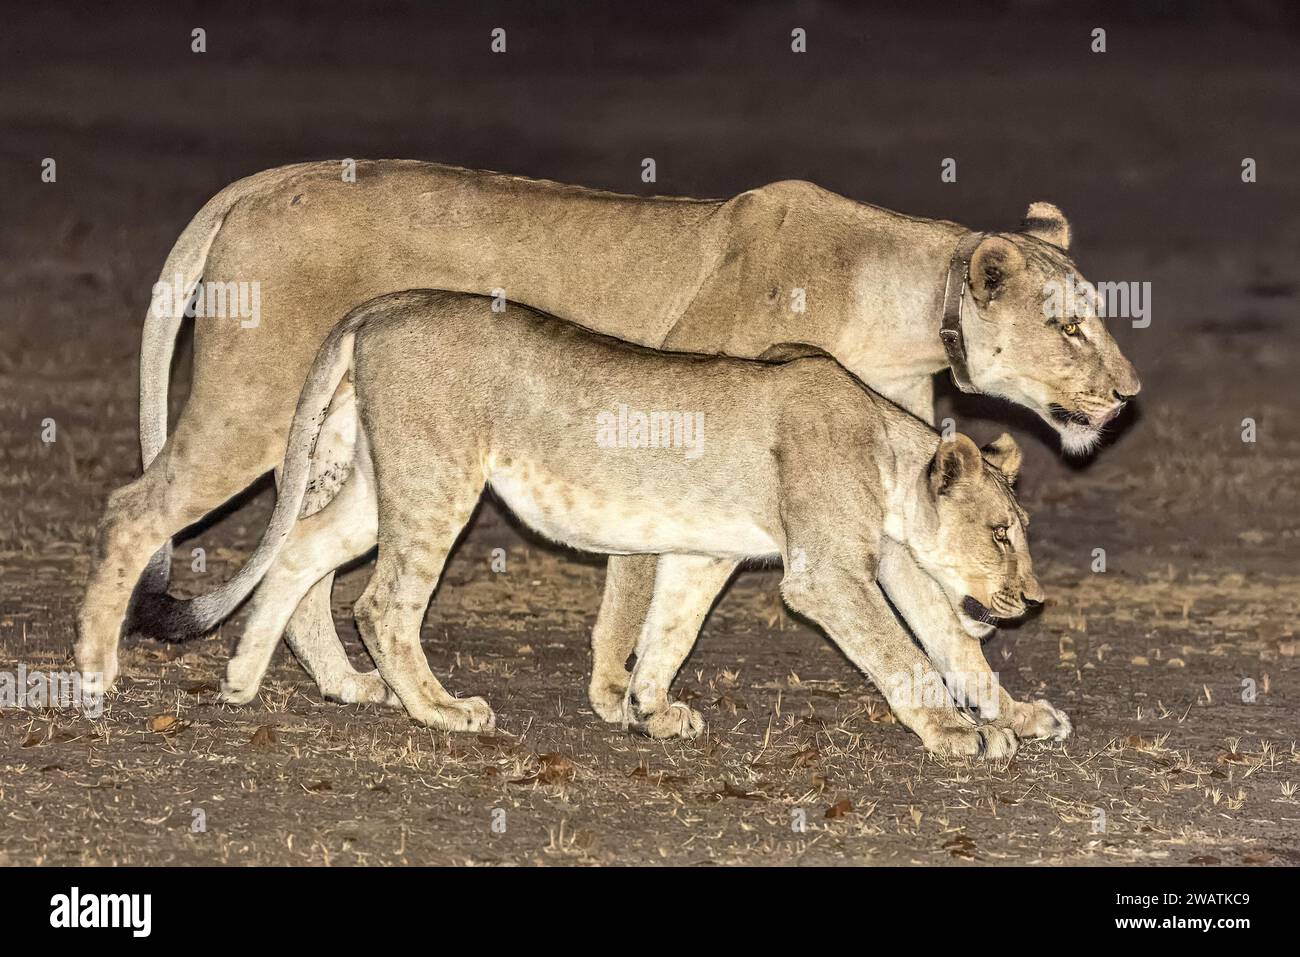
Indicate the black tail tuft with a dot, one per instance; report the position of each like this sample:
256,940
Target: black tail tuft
158,615
153,581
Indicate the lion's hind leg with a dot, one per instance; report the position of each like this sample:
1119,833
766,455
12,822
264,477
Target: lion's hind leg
191,476
629,588
341,531
310,633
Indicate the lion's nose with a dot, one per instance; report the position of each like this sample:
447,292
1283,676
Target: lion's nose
1127,383
1032,592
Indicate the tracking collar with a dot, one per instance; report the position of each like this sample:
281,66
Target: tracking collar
954,294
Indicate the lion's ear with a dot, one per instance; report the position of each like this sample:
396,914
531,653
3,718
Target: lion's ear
1003,453
1046,222
992,264
956,462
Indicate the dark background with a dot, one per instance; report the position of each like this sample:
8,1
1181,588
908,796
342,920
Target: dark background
1141,146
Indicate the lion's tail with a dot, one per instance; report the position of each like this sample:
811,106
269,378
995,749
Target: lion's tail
173,619
167,307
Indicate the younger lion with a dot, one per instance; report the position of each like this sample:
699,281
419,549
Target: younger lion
614,448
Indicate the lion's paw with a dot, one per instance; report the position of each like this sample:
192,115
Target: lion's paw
1039,720
985,741
236,694
364,687
675,721
457,714
609,698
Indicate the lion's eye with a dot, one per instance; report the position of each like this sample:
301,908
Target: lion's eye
1071,329
1000,533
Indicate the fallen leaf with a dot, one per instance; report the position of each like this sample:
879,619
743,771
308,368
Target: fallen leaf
961,846
839,809
48,735
729,702
802,759
731,790
555,768
163,723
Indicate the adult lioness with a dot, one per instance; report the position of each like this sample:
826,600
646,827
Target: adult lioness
794,460
783,264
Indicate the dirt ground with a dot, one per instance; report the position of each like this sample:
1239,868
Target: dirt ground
1177,664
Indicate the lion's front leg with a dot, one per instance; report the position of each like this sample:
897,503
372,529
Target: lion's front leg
856,616
959,655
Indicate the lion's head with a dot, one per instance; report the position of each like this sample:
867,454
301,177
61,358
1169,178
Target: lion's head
969,533
1066,367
